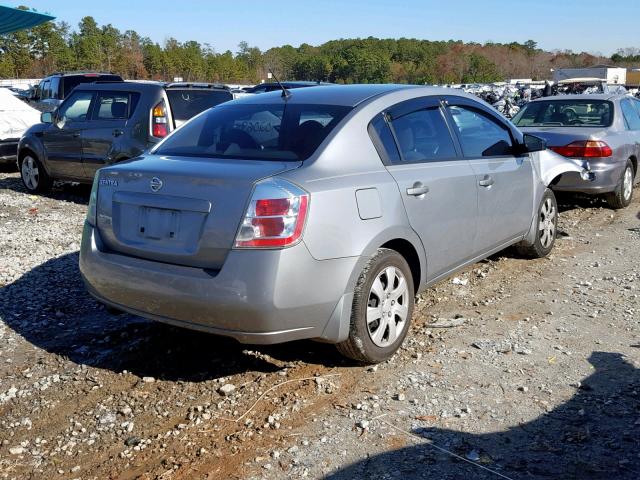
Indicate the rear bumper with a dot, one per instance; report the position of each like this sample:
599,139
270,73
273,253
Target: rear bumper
607,174
260,297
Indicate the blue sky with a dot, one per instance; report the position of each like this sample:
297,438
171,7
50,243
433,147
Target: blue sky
580,25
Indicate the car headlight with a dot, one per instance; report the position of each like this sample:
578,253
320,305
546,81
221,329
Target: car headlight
93,201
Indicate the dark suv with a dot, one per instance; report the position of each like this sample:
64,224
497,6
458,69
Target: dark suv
52,90
106,122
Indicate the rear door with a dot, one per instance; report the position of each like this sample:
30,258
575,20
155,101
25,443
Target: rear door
505,180
105,139
62,139
438,187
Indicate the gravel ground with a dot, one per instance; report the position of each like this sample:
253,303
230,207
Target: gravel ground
513,369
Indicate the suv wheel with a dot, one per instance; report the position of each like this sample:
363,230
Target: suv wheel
621,196
546,228
382,308
34,177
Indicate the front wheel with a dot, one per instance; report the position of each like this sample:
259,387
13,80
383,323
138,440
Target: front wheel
382,308
621,196
546,228
33,175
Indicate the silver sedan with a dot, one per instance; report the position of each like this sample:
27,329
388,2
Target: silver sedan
601,131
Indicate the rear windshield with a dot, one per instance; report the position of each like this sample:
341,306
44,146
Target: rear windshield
186,104
255,132
565,113
71,82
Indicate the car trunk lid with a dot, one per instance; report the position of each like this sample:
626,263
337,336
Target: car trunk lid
178,210
561,136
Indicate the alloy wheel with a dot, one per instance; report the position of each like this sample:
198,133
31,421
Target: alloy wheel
387,307
30,173
627,184
547,223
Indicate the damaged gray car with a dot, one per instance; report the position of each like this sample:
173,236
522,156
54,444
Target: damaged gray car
317,213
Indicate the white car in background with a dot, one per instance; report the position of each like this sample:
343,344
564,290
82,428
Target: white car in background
15,118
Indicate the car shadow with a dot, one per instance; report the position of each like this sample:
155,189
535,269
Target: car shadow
70,192
51,309
8,167
594,435
574,201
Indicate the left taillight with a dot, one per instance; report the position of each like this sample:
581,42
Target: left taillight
92,210
585,149
159,120
275,217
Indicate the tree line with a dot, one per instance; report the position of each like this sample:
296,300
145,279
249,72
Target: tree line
55,46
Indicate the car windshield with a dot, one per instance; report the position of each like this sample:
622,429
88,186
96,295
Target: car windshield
187,103
255,132
565,113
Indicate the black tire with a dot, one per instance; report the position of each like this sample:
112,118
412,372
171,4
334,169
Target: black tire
547,222
34,177
621,196
360,345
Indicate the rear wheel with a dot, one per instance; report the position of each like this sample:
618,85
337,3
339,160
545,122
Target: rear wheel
34,177
547,223
622,195
382,308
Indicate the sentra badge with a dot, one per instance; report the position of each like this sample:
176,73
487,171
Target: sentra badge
108,182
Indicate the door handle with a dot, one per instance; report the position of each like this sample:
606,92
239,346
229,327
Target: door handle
417,189
117,132
487,181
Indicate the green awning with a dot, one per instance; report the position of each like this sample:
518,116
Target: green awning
13,19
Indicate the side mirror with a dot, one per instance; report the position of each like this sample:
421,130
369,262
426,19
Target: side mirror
533,143
46,117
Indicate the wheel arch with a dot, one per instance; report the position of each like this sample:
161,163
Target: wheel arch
406,242
634,162
31,146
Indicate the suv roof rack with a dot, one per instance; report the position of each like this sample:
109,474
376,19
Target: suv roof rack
219,86
80,72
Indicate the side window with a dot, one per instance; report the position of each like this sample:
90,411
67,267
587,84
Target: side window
382,139
115,105
76,107
54,87
423,136
630,114
45,92
480,135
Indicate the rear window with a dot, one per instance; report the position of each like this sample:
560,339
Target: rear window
72,81
565,113
186,104
255,132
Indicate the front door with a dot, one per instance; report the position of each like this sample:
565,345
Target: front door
504,179
438,187
62,139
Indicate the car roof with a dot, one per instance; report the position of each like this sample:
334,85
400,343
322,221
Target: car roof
583,96
345,95
120,86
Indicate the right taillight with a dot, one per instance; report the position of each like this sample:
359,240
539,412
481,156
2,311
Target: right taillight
159,121
275,217
585,149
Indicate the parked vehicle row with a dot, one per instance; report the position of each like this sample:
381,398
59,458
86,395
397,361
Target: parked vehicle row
102,123
316,213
